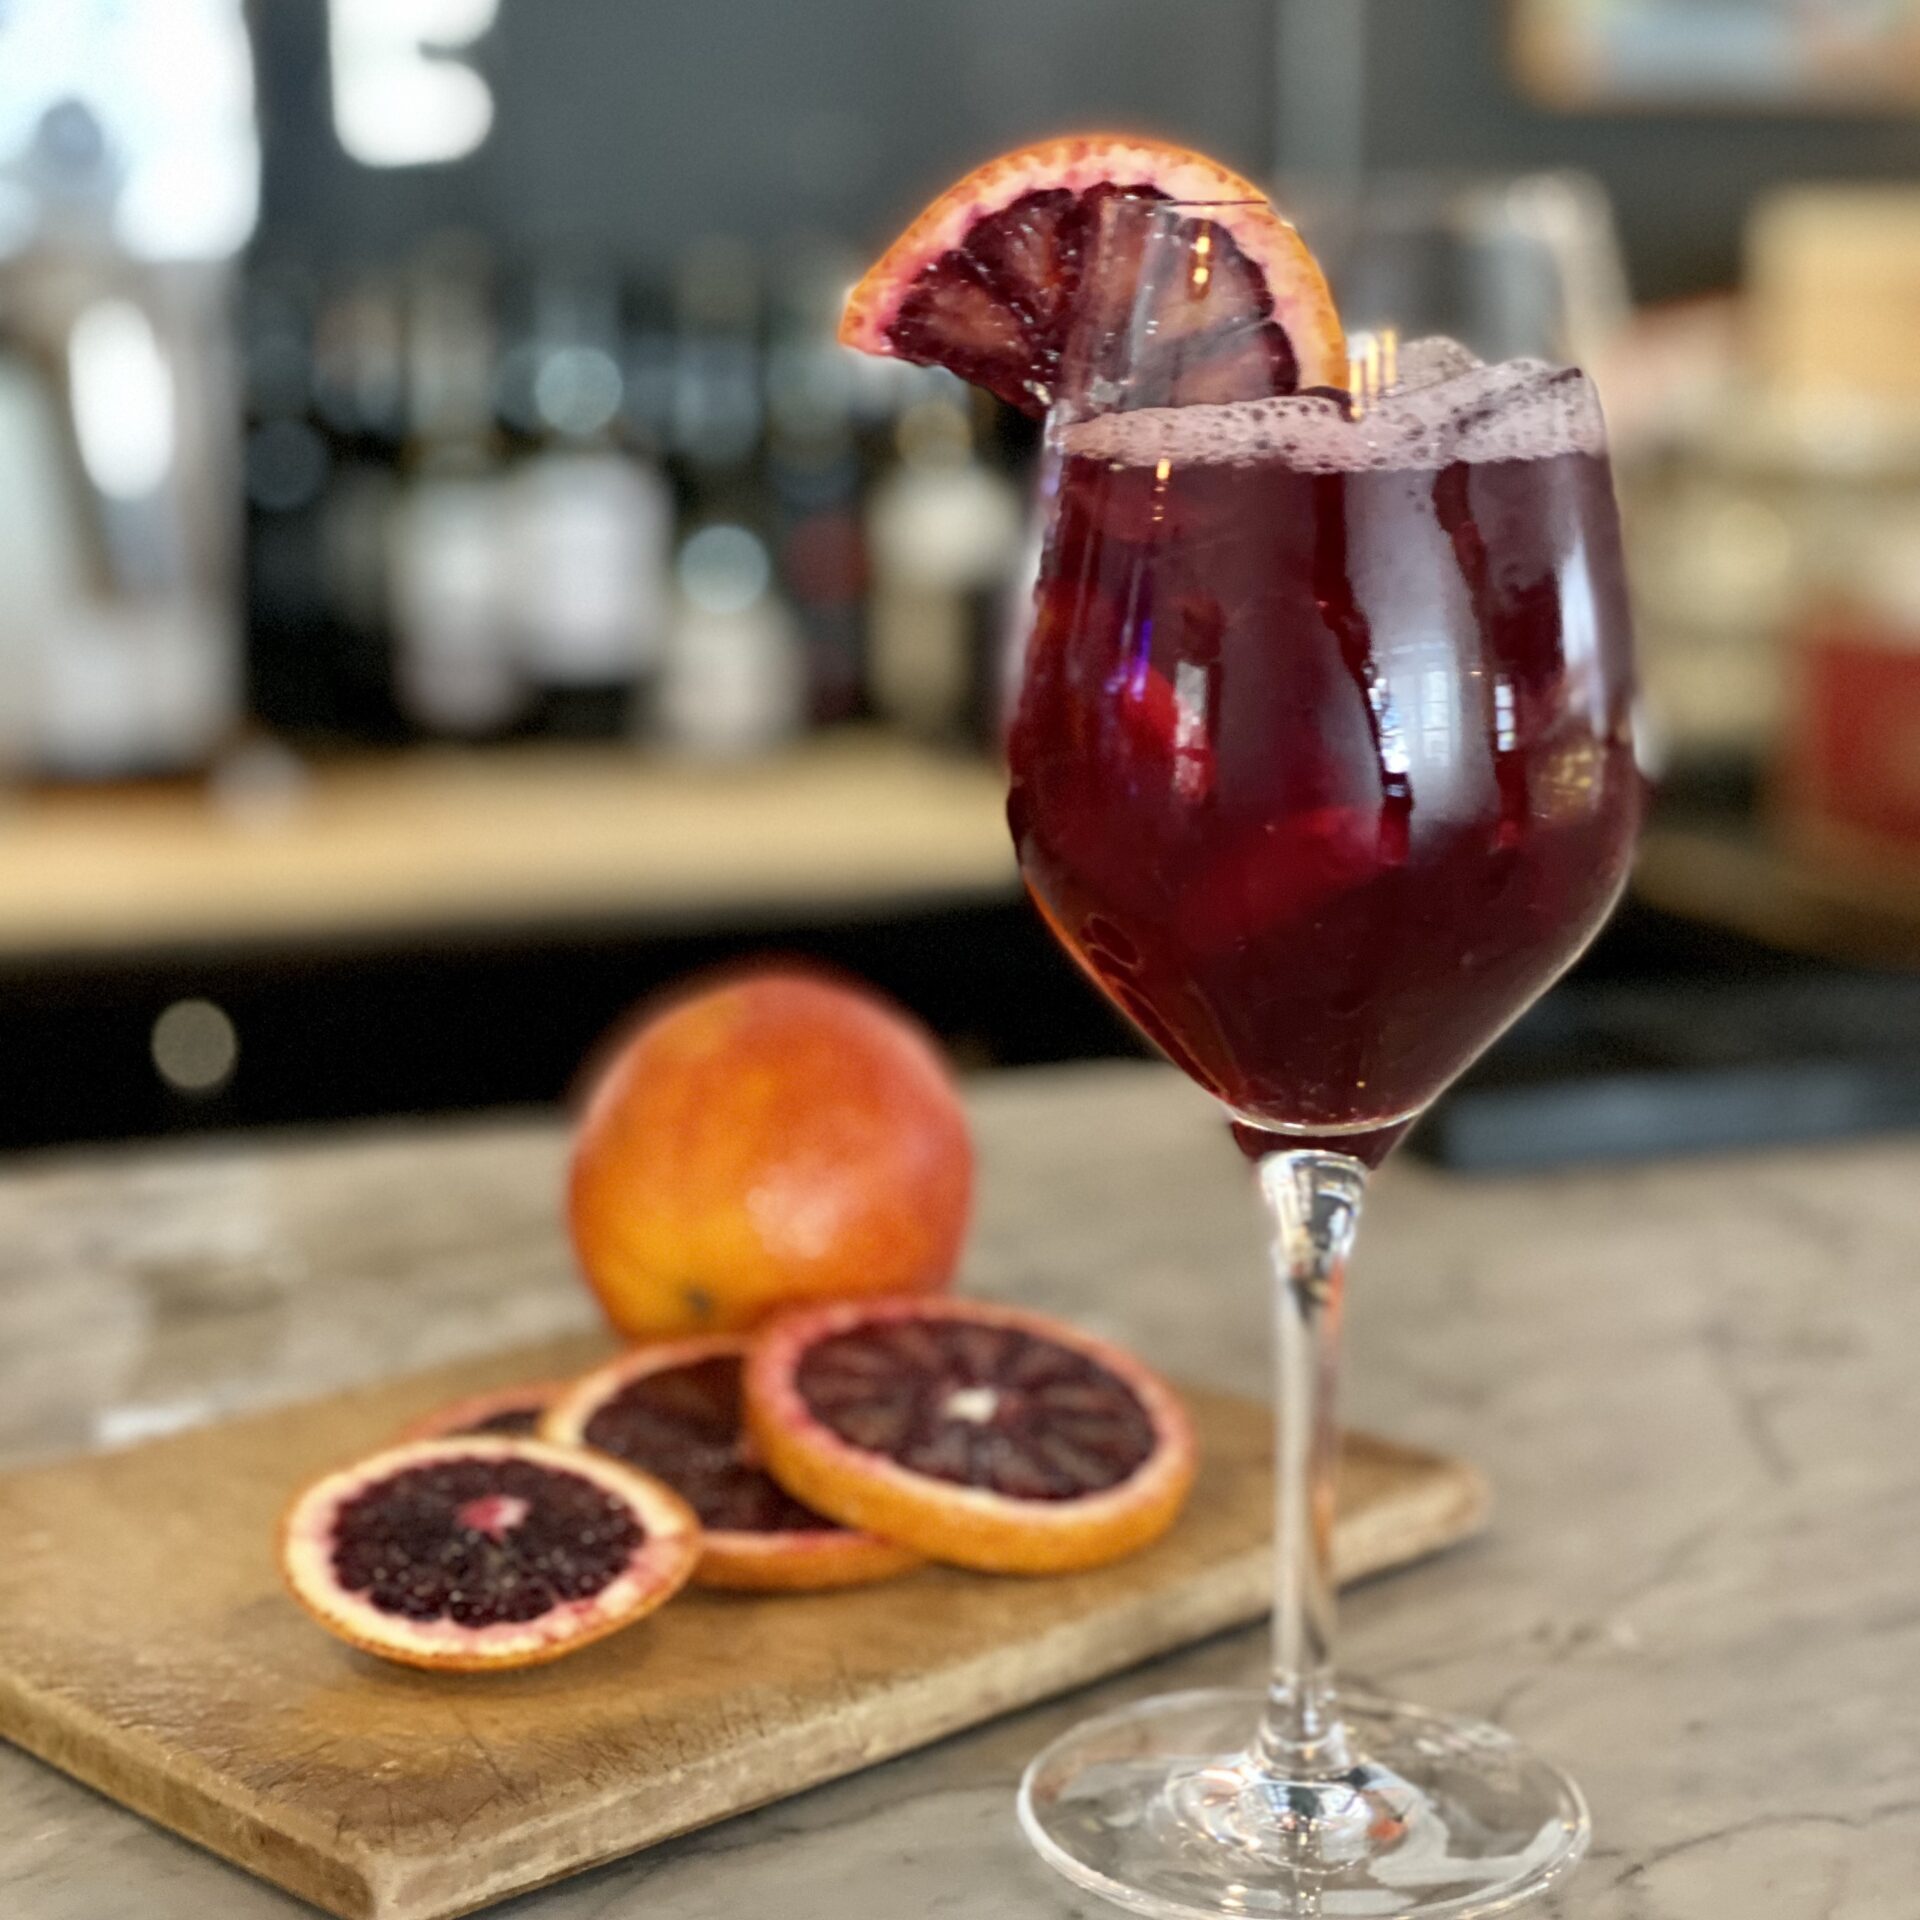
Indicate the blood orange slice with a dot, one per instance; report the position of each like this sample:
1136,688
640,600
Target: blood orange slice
473,1553
979,1435
674,1411
515,1411
985,281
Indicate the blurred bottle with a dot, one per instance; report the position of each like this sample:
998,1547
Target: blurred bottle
650,371
42,549
287,468
717,417
945,532
589,519
457,671
127,188
814,478
1845,790
735,682
360,397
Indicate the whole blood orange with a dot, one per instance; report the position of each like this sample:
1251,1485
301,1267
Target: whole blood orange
977,1434
673,1410
775,1139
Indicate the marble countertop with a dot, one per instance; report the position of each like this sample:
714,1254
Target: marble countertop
1691,1385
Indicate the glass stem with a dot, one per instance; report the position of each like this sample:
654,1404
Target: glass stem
1314,1199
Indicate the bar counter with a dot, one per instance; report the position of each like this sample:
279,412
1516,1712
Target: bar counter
1690,1384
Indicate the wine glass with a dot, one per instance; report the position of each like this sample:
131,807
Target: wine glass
1511,264
1321,769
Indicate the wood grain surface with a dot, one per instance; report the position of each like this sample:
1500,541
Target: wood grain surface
146,1647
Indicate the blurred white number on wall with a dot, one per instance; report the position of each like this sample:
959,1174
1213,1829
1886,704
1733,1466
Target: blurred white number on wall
402,97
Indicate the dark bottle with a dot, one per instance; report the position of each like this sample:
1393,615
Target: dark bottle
717,418
359,397
287,466
814,480
456,670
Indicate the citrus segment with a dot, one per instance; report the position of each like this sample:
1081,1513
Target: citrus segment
475,1553
987,280
674,1411
514,1411
980,1435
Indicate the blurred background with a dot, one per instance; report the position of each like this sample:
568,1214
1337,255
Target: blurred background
451,582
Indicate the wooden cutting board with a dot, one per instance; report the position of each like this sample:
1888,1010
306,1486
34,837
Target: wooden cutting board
147,1649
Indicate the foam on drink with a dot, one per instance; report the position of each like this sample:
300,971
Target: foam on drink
1447,406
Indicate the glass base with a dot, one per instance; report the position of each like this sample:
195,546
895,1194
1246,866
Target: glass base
1162,1808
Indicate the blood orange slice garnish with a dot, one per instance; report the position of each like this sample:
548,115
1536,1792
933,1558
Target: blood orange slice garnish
490,1552
986,280
514,1411
980,1435
674,1411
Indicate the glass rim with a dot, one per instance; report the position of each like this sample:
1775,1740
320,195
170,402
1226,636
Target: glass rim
1161,203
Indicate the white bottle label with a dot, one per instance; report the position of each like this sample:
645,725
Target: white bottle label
453,659
587,540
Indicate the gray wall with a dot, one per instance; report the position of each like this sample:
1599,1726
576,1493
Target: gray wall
636,124
640,123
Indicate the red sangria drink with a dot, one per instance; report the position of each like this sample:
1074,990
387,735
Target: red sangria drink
1322,769
1322,765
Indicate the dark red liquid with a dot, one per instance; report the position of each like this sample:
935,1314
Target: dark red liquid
1324,777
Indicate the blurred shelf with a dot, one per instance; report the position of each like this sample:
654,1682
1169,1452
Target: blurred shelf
1731,877
436,844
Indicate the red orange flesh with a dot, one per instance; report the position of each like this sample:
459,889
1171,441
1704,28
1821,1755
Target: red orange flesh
984,279
976,1434
672,1410
637,1547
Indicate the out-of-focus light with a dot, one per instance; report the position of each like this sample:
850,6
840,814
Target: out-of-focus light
286,465
194,1045
723,569
1373,366
142,114
122,399
190,204
578,389
259,787
401,97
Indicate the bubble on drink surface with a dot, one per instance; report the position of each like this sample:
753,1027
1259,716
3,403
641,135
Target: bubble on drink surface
1445,405
1425,363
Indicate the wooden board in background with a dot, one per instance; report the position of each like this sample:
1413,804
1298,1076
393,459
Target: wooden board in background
148,1649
